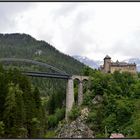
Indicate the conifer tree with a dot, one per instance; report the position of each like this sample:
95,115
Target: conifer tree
14,114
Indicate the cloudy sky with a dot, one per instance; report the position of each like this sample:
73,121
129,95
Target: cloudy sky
87,29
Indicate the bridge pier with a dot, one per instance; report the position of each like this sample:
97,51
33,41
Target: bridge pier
80,92
70,92
69,96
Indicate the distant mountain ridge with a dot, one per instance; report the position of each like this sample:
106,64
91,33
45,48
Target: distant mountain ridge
89,62
95,64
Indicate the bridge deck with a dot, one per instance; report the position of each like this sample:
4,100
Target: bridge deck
47,75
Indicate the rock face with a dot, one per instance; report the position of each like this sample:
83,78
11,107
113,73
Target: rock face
77,128
97,99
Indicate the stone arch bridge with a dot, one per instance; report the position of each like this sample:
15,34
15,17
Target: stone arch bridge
58,74
70,91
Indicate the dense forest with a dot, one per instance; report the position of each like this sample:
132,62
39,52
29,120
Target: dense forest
22,114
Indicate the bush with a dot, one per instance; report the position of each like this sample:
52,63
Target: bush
111,123
60,113
52,121
50,134
100,136
74,113
92,117
128,131
137,128
88,97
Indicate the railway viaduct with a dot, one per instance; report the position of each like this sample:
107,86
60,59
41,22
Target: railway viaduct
59,75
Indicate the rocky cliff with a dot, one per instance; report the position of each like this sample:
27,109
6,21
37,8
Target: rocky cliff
76,128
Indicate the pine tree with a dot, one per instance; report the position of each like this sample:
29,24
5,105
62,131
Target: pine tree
10,107
14,114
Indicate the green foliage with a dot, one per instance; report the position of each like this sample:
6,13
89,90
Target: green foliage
88,96
136,127
76,90
60,113
124,111
53,120
74,113
35,128
1,129
100,136
56,100
50,134
111,123
135,90
136,119
14,113
22,114
119,111
87,71
3,90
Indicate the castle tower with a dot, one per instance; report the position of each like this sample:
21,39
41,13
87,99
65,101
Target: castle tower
107,63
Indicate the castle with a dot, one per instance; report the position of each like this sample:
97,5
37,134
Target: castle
110,67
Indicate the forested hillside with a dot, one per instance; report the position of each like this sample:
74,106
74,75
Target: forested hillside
24,46
114,103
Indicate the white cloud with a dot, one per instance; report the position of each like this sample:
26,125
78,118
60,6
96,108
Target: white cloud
8,13
88,29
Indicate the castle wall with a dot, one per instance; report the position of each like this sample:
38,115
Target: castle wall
127,68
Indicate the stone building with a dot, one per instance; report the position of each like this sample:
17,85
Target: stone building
110,67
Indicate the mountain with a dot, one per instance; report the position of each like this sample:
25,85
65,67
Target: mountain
25,46
91,63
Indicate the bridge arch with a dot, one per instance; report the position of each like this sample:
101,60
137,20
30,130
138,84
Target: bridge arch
80,78
80,86
70,91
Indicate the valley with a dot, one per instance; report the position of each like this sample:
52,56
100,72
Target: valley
83,103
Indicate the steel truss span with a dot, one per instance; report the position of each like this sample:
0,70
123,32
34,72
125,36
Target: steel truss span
48,75
32,62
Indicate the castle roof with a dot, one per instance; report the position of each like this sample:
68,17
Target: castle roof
107,57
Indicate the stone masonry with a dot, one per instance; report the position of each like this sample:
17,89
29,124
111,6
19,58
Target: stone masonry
70,92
